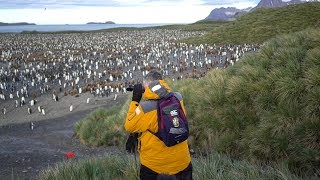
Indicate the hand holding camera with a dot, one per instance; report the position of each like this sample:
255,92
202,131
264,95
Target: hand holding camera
138,90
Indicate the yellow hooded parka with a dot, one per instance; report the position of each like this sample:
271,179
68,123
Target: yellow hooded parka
142,117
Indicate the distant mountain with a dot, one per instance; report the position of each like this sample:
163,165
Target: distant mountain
277,3
108,22
232,13
16,24
226,14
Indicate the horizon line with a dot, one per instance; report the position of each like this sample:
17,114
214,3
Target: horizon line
34,24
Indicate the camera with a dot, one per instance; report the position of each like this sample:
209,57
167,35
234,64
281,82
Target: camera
130,88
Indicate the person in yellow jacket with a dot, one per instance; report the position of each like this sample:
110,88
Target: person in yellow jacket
155,157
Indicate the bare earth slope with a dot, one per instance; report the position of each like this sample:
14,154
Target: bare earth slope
23,153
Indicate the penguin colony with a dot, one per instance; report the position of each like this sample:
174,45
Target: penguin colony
102,64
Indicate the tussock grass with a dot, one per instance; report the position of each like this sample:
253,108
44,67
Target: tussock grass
122,166
217,166
103,127
265,108
110,167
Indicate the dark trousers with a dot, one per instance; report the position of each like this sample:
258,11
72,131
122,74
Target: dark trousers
148,174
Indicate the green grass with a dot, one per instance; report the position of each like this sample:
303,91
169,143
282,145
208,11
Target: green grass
122,166
197,26
263,24
103,127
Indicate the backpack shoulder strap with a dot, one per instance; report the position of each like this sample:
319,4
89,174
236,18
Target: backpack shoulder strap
177,95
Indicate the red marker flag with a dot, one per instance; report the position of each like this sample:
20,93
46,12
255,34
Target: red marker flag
70,155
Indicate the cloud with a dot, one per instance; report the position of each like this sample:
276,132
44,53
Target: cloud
119,11
23,4
232,3
120,15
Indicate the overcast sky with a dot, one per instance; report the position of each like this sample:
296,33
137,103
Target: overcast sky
119,11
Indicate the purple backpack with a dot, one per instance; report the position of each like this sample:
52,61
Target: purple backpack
173,126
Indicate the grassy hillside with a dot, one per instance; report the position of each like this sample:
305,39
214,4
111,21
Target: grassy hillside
103,127
263,24
206,25
265,108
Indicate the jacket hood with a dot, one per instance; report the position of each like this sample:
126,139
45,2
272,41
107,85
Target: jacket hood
156,90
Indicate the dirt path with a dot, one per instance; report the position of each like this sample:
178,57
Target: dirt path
24,153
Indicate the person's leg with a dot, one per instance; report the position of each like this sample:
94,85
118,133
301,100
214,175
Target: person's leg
166,177
147,174
185,174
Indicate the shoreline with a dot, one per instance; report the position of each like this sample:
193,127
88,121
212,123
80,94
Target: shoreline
74,28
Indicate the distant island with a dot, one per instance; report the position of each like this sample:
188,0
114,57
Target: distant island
16,24
108,22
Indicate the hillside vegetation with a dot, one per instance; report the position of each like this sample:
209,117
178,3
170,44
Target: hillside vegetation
263,24
265,108
204,25
123,167
103,127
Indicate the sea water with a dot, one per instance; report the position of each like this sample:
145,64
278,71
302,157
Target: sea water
66,27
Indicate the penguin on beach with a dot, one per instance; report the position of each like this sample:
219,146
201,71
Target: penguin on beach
39,109
29,110
31,125
71,108
43,111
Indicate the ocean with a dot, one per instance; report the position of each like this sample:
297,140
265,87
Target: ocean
71,27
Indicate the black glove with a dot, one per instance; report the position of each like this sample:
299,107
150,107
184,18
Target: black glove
132,142
137,92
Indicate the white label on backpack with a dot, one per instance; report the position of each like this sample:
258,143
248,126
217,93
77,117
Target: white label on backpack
177,130
174,112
